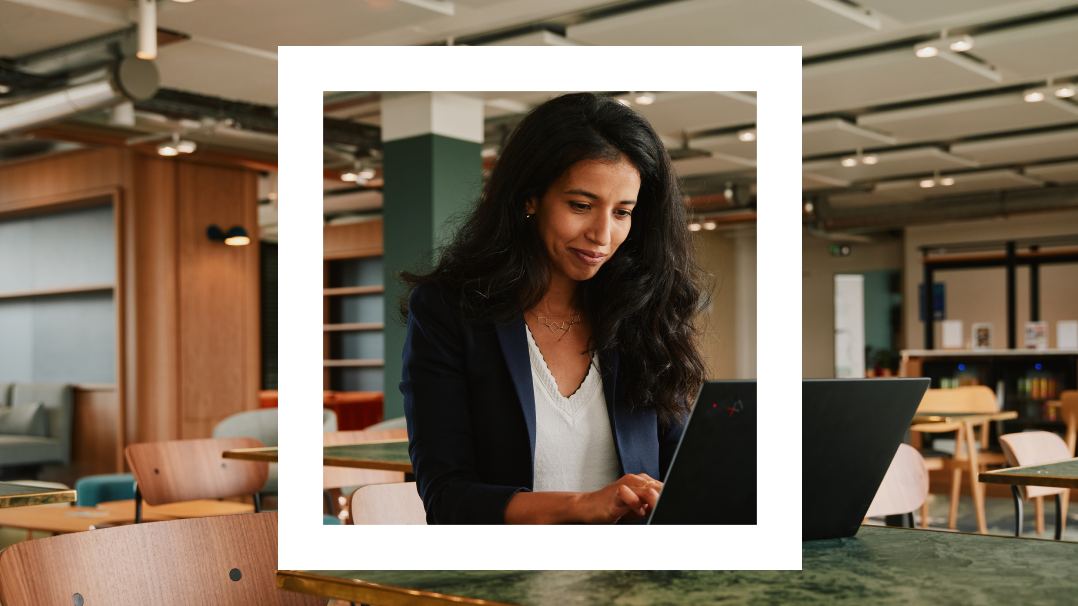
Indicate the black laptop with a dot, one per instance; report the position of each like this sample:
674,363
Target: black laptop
712,479
851,429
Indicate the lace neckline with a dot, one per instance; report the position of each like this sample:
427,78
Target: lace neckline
540,370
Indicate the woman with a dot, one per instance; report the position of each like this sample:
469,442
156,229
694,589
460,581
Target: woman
551,355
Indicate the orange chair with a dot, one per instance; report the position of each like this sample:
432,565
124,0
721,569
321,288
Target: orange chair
972,399
1036,448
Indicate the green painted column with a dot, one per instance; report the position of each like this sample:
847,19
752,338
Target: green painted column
431,144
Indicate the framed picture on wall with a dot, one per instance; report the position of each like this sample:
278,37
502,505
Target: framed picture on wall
1036,335
982,335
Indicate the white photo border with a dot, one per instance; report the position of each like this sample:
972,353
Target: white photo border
775,73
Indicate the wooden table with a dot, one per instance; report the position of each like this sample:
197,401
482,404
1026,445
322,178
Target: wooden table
1061,474
267,454
113,513
879,566
965,423
388,455
20,495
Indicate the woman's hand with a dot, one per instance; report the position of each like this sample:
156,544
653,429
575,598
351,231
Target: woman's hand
632,497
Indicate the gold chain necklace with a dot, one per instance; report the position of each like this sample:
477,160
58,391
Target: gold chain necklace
554,326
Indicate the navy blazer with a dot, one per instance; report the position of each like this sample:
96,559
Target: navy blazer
470,409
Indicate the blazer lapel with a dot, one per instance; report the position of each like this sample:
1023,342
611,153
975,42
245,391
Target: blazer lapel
515,349
620,423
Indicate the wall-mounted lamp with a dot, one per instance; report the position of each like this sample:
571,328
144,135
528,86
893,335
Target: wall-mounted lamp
237,236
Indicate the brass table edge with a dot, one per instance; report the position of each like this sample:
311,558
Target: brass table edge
252,454
366,464
362,592
393,441
39,498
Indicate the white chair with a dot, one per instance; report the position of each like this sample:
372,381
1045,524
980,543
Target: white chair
1036,448
904,488
388,504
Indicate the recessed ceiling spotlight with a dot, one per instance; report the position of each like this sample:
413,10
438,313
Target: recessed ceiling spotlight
947,181
645,98
168,149
962,44
366,174
925,52
926,183
870,159
1065,91
710,225
186,147
349,176
184,1
746,135
694,226
809,207
1034,96
849,162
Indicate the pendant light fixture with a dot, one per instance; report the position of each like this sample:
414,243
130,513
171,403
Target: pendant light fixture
147,29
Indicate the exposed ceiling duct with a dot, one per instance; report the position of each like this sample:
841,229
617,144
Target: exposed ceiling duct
129,79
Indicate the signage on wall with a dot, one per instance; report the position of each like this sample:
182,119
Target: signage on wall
938,300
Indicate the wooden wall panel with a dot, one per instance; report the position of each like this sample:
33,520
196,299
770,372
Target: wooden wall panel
153,325
94,434
72,175
218,298
352,240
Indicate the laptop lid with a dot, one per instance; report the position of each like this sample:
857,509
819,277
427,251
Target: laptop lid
712,479
851,429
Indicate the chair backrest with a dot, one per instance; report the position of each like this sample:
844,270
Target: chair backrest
103,488
1034,448
200,561
185,470
388,504
258,424
5,394
904,488
969,399
1068,407
329,420
340,477
59,404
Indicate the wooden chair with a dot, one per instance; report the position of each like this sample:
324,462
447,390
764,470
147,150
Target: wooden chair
186,470
1035,448
336,478
388,504
1068,407
904,488
968,400
202,561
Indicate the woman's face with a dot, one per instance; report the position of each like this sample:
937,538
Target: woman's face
585,215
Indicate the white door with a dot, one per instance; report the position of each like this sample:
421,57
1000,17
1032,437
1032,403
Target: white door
849,326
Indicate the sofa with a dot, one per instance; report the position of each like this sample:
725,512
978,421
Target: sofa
35,435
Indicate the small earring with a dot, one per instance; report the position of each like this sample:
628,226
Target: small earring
527,216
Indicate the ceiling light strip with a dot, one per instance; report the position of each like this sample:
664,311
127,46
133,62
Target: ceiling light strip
860,15
438,6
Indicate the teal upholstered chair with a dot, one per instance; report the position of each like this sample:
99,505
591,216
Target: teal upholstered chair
330,520
104,488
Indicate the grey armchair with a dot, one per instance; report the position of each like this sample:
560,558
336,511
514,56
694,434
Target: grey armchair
25,450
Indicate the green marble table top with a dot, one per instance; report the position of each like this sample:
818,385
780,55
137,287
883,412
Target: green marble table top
1061,474
879,566
20,495
389,455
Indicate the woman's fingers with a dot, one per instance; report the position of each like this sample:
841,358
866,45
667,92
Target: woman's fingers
628,498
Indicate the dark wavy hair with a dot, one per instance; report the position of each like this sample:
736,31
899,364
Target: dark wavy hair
644,300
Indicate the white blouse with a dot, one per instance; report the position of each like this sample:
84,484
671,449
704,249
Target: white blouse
574,447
